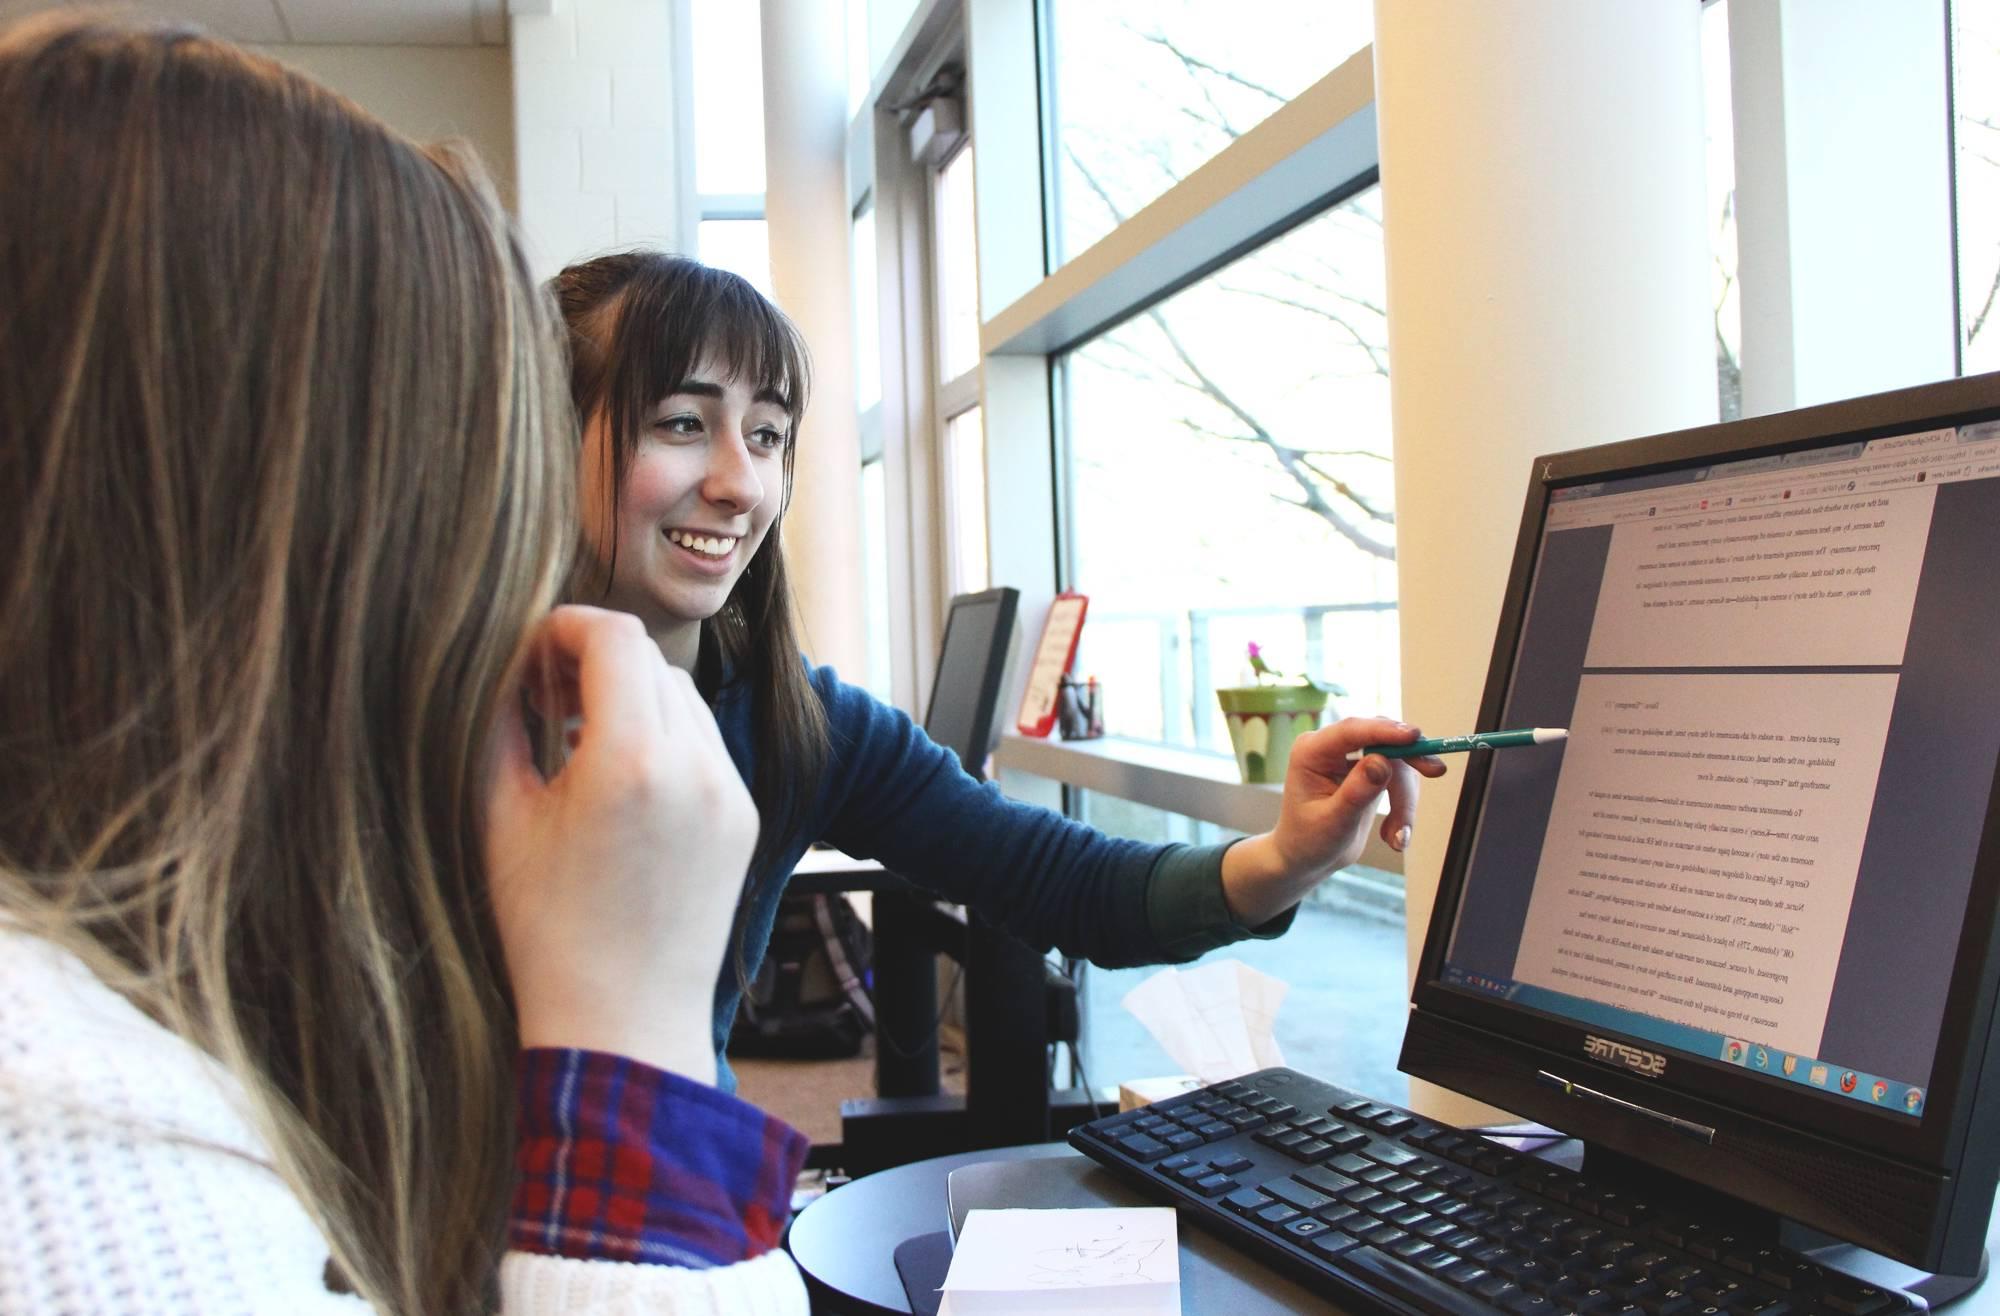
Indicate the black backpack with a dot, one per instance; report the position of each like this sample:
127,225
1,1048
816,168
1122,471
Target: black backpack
809,1000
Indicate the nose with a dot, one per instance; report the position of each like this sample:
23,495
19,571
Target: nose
731,480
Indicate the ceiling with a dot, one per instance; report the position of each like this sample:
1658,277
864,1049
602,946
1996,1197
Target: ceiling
335,22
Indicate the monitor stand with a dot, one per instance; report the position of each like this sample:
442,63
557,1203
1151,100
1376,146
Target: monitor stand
1757,1227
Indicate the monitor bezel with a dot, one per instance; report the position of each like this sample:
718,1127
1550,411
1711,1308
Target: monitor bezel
1937,1136
1005,601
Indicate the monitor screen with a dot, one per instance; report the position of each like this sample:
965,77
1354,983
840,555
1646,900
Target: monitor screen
1757,846
977,635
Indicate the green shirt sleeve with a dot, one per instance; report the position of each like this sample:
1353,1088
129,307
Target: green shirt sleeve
1184,904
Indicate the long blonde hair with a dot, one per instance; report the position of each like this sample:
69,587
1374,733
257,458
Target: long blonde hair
285,450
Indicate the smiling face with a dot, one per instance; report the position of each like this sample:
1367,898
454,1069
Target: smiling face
704,484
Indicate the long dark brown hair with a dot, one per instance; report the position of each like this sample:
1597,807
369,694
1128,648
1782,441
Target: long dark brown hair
640,322
287,473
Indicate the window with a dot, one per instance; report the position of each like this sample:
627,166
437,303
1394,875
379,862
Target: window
1145,91
965,478
1717,111
1229,481
1976,95
957,269
725,67
955,287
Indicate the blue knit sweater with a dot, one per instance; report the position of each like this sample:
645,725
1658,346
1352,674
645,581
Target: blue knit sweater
893,794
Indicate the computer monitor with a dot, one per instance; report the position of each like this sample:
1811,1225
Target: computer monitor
972,666
1741,926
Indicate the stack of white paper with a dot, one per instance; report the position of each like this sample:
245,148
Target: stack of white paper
1215,1020
1119,1261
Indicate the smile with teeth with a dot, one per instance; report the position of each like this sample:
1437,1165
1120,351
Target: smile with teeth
716,546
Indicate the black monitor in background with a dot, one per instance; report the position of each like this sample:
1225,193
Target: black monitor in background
1740,929
972,664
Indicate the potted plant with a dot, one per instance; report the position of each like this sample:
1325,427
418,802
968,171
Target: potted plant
1266,717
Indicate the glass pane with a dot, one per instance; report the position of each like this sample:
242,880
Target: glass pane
728,97
875,575
965,472
957,269
1722,209
860,68
1145,91
1229,474
1976,73
867,314
739,245
1343,960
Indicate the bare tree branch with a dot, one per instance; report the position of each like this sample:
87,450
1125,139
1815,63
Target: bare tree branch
1191,62
1375,354
1289,459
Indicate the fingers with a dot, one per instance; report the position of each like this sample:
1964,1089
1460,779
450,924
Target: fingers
618,672
1402,815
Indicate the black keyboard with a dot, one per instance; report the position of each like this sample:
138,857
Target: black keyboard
1381,1209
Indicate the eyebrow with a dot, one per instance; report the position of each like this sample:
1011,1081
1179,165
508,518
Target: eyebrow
704,388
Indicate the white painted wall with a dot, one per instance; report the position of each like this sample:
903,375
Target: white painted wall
425,92
594,129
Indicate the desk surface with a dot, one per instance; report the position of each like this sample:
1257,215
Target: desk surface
845,1241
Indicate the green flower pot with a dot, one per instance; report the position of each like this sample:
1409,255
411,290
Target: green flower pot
1264,720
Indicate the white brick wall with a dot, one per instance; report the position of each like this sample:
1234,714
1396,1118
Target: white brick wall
594,128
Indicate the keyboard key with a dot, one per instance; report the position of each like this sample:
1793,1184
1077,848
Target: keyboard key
1213,1129
1213,1184
1382,1235
1378,1174
1390,1154
1277,1213
1410,1217
1424,1196
1153,1124
1340,1214
1306,1227
1232,1164
1246,1200
1184,1140
1402,1185
1333,1185
1410,1249
1369,1111
1298,1194
1465,1274
1350,1164
1434,1228
1173,1163
1143,1147
1394,1122
1318,1128
1312,1149
1344,1139
1348,1107
1289,1138
1190,1173
1851,1299
1372,1198
1333,1242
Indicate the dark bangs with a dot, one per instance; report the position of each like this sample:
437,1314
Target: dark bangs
643,321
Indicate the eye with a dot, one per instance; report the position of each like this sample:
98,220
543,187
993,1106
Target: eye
682,424
769,438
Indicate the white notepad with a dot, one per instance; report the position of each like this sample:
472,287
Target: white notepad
1121,1261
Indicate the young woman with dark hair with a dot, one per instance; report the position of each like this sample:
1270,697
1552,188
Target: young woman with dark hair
319,991
691,387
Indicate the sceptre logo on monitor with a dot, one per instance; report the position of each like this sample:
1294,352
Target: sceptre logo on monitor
1650,1063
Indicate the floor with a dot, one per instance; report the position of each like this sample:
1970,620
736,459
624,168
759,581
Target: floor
1342,1021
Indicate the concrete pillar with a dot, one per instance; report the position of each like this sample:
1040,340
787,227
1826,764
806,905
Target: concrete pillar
1548,280
1843,199
805,202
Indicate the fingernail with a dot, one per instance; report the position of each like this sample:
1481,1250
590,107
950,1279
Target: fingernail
1377,769
1402,841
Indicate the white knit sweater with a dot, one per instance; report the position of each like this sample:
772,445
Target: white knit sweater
131,1181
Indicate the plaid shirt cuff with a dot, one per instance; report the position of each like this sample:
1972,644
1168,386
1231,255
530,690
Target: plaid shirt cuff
619,1161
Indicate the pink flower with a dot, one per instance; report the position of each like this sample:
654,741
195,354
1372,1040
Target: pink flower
1255,652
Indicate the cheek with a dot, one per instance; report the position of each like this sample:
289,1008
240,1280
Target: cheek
653,486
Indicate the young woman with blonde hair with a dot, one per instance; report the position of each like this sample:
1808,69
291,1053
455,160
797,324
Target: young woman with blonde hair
319,989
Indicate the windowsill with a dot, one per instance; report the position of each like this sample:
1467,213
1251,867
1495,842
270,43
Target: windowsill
1167,777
